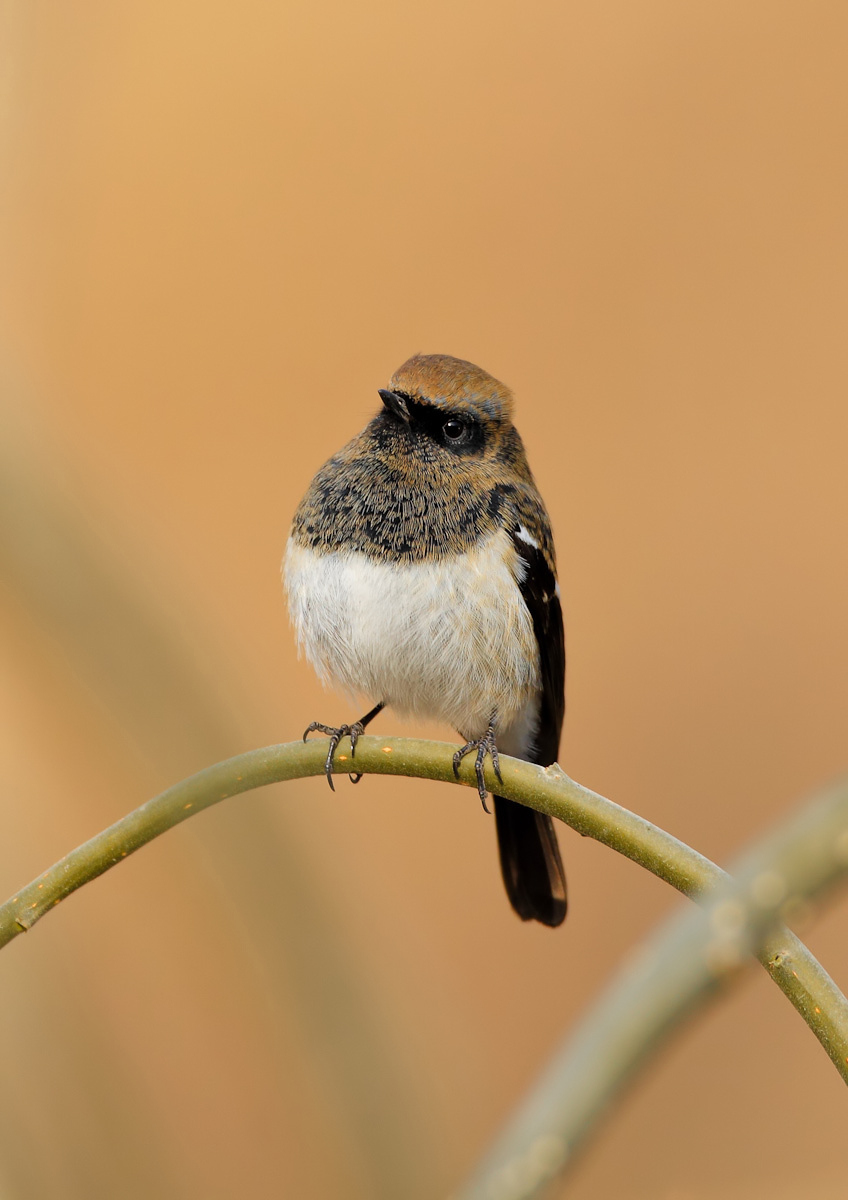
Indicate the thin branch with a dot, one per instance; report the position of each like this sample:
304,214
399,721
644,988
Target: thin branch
790,964
694,955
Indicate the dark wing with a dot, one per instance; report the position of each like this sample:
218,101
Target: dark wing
530,860
539,589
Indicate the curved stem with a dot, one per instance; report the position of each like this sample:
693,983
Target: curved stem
678,969
549,789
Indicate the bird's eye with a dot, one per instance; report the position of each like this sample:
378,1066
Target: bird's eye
454,431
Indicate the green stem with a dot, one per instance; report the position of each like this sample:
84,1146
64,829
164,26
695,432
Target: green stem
784,956
689,960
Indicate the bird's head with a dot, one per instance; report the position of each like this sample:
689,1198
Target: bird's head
445,406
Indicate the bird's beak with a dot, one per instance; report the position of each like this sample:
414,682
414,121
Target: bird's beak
395,404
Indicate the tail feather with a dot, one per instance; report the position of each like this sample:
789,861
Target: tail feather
530,863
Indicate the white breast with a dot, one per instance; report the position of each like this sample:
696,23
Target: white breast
450,640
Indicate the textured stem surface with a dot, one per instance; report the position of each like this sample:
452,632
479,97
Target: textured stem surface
548,789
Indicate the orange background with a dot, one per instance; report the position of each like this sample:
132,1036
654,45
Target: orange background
223,227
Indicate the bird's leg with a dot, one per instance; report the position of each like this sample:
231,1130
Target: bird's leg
483,745
336,732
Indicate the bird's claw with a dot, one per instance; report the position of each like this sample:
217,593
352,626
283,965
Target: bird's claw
335,733
483,745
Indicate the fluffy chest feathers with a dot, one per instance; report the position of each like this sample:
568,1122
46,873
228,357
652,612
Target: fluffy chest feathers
447,638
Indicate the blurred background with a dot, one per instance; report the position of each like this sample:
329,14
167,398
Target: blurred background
221,229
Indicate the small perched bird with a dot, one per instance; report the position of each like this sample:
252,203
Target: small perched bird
420,574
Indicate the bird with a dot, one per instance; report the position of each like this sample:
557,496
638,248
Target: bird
420,574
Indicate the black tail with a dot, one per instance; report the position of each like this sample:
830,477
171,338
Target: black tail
530,863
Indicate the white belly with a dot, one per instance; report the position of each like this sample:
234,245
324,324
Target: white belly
450,640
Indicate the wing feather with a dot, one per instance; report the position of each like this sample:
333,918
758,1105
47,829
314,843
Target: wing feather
530,860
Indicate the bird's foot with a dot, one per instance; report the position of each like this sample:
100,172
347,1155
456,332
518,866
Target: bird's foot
483,745
335,733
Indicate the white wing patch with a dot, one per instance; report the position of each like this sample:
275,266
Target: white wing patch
526,537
